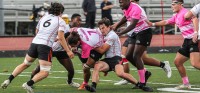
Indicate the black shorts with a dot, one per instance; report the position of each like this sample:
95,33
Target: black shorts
128,41
95,55
60,54
142,38
39,51
112,62
188,47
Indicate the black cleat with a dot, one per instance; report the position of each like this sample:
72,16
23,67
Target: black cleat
147,75
143,87
90,88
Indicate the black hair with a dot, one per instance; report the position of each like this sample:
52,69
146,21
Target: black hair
75,15
66,34
105,21
73,38
56,9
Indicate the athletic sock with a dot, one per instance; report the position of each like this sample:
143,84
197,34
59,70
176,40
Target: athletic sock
11,77
69,81
185,80
85,83
162,64
94,84
142,75
30,82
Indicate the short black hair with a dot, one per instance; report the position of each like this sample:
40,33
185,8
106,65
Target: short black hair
75,15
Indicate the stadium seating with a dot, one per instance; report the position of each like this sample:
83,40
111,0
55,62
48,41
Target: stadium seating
152,7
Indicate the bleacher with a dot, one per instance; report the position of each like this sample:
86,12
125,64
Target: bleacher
152,7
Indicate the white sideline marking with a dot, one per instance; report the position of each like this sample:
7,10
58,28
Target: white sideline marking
192,90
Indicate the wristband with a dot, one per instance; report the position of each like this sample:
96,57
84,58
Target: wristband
153,24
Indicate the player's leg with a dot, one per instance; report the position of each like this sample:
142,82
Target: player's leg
44,56
120,73
100,66
67,63
30,57
45,67
195,55
195,60
179,61
154,62
142,40
35,71
125,63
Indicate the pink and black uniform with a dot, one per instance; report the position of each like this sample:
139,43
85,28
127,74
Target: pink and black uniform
187,30
142,32
90,39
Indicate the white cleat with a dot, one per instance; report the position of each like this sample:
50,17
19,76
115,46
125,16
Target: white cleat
122,82
167,69
5,84
183,86
27,88
74,84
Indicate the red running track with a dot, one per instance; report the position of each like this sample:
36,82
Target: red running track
23,43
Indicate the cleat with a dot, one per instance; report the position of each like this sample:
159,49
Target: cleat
147,75
5,84
90,88
27,88
167,69
74,84
82,87
183,86
122,82
143,87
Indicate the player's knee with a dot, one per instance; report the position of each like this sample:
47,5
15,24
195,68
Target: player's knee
45,68
97,67
86,66
177,63
26,62
120,74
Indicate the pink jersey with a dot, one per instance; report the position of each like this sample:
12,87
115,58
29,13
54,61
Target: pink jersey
135,12
90,39
186,26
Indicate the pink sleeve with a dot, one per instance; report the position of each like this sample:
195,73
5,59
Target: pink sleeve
171,20
135,12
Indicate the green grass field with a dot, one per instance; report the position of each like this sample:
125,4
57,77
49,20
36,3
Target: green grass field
56,82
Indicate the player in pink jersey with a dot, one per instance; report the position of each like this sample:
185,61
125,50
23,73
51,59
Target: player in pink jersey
140,36
146,59
89,40
189,49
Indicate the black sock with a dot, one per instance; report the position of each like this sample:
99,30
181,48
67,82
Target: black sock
11,77
30,83
94,84
162,64
69,81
